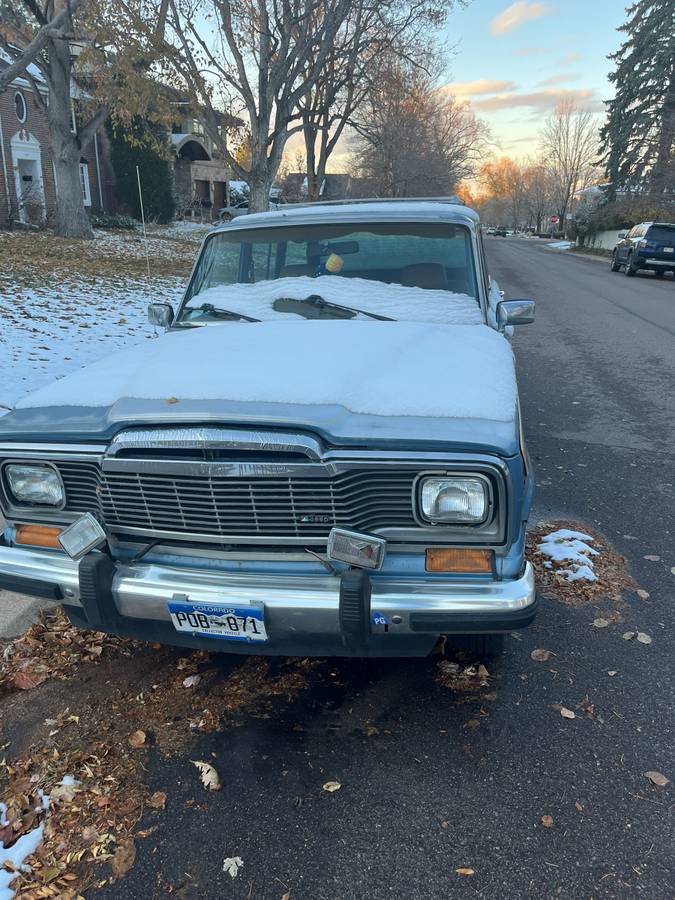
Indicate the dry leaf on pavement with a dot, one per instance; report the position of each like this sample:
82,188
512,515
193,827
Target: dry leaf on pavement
600,623
124,858
208,774
332,786
629,635
547,821
137,739
157,800
26,681
191,681
642,594
566,713
652,557
657,778
232,864
465,871
643,638
541,655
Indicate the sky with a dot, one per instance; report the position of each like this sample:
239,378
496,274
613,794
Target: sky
514,61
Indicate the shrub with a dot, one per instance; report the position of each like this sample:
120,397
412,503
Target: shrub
104,220
136,146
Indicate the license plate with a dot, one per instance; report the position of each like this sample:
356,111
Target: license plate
669,249
230,623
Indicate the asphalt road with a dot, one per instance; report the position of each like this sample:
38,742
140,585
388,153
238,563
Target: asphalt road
433,791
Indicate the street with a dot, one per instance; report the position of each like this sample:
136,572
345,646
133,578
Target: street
442,792
430,793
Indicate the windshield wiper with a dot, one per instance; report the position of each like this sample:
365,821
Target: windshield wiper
224,313
317,300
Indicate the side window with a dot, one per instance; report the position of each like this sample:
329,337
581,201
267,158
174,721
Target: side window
483,264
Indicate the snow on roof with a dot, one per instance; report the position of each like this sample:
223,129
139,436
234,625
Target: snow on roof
375,368
403,303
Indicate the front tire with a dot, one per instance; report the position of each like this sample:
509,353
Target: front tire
616,265
630,270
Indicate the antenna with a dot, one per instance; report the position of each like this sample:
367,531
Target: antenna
145,233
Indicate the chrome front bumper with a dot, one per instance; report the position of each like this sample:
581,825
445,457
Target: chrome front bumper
296,606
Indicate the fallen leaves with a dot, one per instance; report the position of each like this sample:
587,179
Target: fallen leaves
461,678
207,773
638,636
191,681
600,622
541,655
157,800
465,870
26,680
567,713
137,739
547,821
332,786
642,594
652,557
657,778
123,859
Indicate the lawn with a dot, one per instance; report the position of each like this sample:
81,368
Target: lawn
65,302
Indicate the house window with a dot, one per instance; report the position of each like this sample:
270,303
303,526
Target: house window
20,106
84,180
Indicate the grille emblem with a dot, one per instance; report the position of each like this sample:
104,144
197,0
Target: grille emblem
315,519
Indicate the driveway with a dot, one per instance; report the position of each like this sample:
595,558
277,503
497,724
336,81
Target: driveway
489,793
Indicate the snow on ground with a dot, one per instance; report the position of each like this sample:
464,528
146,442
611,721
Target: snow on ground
64,304
377,368
573,547
560,245
410,304
15,855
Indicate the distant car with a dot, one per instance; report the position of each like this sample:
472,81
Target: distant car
501,232
649,245
227,213
491,231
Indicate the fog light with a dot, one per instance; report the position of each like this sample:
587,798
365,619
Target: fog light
459,560
82,536
363,550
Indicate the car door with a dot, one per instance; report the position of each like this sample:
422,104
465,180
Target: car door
623,245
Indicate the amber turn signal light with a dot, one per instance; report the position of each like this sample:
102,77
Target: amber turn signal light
38,536
459,559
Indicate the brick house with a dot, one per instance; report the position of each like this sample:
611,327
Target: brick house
27,178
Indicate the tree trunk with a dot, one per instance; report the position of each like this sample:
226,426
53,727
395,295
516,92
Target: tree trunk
259,199
71,218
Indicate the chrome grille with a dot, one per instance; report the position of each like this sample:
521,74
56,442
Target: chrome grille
227,507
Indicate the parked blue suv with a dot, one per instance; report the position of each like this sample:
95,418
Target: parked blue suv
649,245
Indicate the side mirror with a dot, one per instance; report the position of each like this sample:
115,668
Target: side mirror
160,314
622,234
514,312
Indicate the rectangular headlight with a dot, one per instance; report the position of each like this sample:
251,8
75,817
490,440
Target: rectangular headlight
34,485
82,536
363,550
461,500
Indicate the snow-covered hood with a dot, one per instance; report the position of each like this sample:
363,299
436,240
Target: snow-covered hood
354,379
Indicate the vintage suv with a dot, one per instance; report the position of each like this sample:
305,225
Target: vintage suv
323,454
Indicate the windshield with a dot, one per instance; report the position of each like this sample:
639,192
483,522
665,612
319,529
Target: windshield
414,271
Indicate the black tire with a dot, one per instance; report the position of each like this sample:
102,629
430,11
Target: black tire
616,265
630,271
482,645
226,217
659,273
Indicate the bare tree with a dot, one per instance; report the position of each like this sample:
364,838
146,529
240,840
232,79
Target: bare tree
569,146
372,31
538,189
259,62
117,51
414,140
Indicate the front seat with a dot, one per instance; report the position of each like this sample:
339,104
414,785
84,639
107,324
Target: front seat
430,276
296,271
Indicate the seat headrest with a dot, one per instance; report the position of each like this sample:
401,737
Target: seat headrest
424,275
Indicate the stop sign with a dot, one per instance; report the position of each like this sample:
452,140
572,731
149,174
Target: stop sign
553,220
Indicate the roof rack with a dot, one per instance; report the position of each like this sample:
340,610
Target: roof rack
451,198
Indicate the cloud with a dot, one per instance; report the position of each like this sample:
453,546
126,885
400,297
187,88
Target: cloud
568,59
517,14
475,88
544,99
528,51
559,79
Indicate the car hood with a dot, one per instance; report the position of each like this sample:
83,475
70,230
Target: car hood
354,382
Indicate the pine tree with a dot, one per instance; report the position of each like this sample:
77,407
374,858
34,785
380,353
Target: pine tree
639,134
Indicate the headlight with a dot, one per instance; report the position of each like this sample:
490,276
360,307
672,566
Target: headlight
459,500
34,485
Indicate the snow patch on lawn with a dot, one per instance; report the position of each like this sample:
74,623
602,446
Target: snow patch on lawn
573,547
560,245
401,302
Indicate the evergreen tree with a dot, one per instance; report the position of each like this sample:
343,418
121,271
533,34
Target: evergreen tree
639,134
136,146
